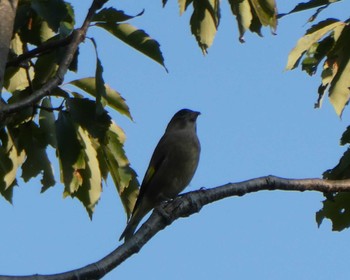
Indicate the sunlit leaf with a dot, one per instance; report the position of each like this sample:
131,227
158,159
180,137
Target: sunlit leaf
339,90
183,4
135,38
16,78
244,16
10,160
311,37
123,175
204,22
266,11
90,191
113,98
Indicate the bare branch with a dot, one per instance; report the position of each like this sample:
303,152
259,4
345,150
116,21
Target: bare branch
184,206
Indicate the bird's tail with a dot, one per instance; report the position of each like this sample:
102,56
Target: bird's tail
134,221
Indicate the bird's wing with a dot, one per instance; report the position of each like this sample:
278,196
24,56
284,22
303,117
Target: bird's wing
158,158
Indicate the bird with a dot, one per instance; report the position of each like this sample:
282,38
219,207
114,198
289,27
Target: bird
171,168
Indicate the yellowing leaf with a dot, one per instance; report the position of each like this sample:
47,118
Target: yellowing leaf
244,17
204,22
136,38
339,91
123,175
311,37
114,99
90,191
10,160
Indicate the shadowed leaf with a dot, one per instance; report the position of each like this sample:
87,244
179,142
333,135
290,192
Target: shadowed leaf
337,209
112,15
47,122
70,153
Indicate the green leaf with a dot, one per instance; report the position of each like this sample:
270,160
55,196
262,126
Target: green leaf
90,191
99,83
310,5
52,11
345,139
23,115
339,91
113,98
30,26
45,68
98,148
266,10
47,122
183,4
136,38
10,160
204,22
32,140
112,15
244,16
316,54
311,37
70,153
83,113
337,206
123,175
68,22
342,170
337,209
16,77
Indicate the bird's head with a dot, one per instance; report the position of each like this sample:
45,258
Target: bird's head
184,118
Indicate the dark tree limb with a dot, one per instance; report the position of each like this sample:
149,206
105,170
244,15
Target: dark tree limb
184,206
42,49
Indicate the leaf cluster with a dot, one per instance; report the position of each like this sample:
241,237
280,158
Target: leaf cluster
88,144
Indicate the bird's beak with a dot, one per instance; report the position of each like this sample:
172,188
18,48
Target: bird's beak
195,115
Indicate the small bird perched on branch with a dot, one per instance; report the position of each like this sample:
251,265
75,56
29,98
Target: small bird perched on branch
172,166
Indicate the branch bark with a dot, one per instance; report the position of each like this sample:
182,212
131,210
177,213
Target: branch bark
184,206
7,14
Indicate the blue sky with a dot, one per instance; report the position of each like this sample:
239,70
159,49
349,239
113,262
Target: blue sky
257,119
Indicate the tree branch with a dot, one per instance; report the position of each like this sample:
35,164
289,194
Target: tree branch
184,206
7,13
42,49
